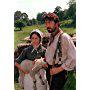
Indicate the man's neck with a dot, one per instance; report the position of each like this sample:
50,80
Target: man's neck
56,32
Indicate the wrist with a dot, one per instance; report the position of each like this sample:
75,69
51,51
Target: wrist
60,69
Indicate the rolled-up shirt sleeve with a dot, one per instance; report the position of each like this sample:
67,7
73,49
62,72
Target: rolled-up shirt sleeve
21,56
69,62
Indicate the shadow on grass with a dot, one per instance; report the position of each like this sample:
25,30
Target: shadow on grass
18,30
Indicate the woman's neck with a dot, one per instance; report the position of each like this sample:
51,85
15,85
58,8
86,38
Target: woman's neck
36,46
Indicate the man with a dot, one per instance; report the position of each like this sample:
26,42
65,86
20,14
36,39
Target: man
60,54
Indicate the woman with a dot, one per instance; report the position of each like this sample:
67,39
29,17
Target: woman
27,59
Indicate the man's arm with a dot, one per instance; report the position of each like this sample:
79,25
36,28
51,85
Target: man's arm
69,62
56,70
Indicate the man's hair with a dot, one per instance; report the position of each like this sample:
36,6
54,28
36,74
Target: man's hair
50,16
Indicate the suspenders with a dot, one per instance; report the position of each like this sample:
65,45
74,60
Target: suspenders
59,51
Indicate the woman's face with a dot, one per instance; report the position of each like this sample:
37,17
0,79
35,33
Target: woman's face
35,39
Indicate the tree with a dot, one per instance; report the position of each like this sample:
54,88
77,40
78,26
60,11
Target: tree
72,11
71,2
30,22
39,18
19,24
65,16
59,12
57,9
17,15
25,18
34,21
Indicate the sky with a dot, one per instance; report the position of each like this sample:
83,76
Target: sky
33,7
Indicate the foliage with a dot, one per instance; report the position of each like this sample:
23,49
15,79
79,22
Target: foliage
17,86
39,18
66,23
19,24
70,30
71,81
22,17
71,13
17,15
34,21
59,12
67,14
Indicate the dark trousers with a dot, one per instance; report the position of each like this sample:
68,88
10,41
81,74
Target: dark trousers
58,80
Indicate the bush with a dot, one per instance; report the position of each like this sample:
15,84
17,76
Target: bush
66,23
71,81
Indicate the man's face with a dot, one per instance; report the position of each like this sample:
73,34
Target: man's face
50,25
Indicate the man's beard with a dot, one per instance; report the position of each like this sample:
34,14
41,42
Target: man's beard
51,30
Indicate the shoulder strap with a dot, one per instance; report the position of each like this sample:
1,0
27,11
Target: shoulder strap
58,48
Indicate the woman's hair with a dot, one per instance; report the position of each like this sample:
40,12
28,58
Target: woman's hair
36,34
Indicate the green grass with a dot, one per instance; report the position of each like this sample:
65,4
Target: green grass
17,87
20,35
69,30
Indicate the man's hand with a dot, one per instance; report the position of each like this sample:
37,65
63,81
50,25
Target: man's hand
45,65
56,70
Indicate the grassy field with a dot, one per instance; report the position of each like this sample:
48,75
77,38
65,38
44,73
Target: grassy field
17,87
20,35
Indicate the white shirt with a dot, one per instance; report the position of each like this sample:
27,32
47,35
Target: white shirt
68,59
